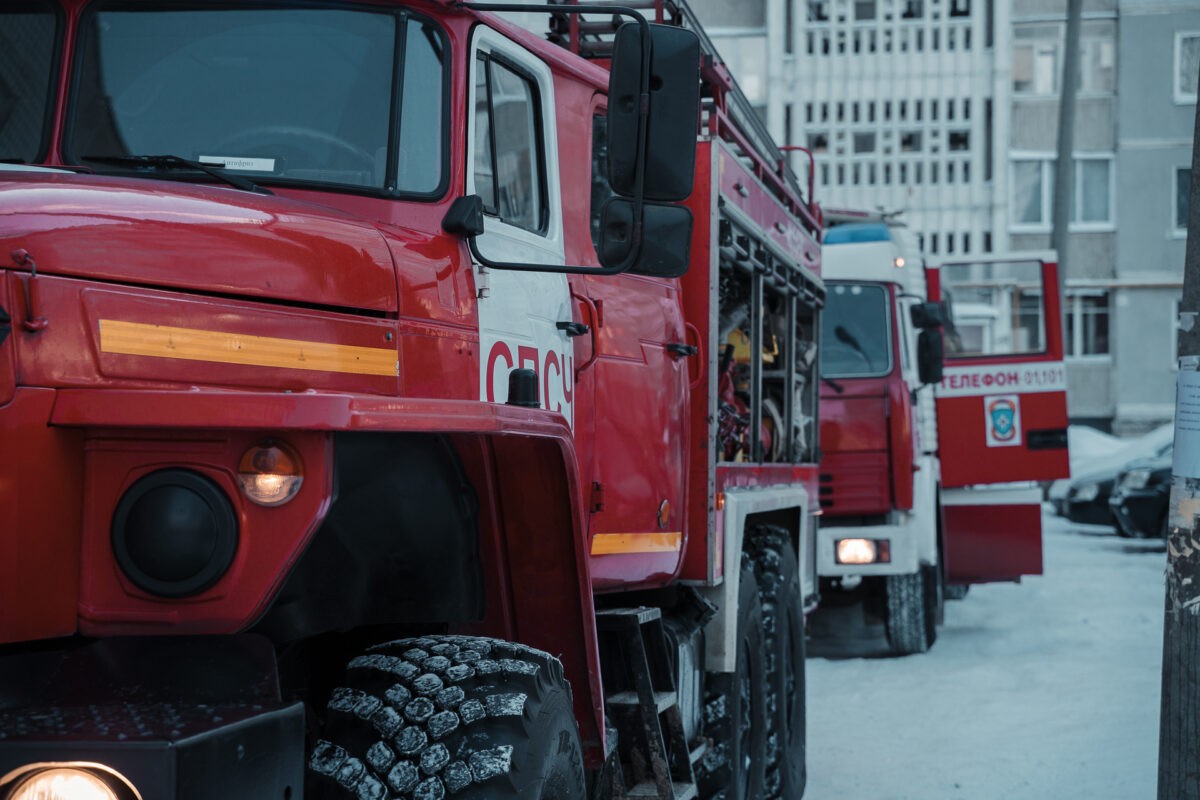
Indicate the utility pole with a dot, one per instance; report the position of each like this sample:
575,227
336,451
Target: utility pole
1179,733
1066,145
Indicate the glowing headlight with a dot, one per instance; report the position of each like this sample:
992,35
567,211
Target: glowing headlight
1136,479
270,473
82,782
1087,492
862,551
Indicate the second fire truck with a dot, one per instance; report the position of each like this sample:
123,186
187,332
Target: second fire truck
943,400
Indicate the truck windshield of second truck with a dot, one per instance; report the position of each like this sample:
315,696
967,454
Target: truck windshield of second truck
303,94
855,325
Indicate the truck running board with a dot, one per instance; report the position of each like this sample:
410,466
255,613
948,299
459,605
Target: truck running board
641,701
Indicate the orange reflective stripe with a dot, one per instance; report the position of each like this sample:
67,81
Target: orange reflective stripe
190,344
607,544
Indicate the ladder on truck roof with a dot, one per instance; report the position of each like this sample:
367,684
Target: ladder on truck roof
729,116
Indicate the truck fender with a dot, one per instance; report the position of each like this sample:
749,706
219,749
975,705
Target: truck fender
740,505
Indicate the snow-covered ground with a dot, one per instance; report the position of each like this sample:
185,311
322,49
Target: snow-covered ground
1046,689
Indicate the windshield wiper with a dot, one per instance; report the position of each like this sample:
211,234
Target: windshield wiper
831,383
169,162
848,338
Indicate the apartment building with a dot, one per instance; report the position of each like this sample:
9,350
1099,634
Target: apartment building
947,111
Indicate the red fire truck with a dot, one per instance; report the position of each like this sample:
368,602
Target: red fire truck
921,493
396,403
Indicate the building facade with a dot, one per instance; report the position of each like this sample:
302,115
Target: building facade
947,111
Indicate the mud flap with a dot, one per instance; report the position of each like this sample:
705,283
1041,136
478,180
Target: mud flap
992,534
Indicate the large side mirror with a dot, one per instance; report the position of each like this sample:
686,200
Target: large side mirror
929,315
930,355
669,156
666,237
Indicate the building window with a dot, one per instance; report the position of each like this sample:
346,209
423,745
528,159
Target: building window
910,141
818,10
1098,66
864,10
1183,186
960,140
912,9
1033,193
864,142
1187,65
1035,60
960,8
818,142
1086,331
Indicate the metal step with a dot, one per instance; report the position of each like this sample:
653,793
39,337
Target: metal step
683,791
662,700
697,753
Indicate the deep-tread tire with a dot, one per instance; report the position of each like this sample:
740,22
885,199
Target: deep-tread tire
905,621
782,598
434,716
933,591
735,709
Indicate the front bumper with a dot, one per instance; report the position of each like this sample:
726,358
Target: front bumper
177,717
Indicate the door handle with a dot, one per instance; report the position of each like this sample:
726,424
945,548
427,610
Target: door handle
572,328
594,314
682,350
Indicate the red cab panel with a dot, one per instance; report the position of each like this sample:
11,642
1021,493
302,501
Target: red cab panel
1002,403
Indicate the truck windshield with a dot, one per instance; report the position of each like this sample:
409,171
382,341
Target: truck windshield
346,97
855,331
28,37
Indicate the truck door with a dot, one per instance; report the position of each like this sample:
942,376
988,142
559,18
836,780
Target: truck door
1001,412
513,150
638,407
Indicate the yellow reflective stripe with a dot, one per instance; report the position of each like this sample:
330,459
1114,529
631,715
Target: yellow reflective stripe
190,344
607,544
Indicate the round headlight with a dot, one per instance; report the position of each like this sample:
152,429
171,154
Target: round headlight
1087,492
174,533
63,783
270,473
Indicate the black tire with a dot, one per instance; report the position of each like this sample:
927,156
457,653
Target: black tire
935,601
955,591
905,621
472,717
735,709
782,598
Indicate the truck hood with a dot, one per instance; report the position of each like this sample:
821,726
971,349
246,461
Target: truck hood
206,238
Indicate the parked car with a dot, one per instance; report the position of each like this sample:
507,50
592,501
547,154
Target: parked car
1139,501
1084,498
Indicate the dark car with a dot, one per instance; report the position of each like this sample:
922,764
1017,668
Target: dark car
1139,501
1085,496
